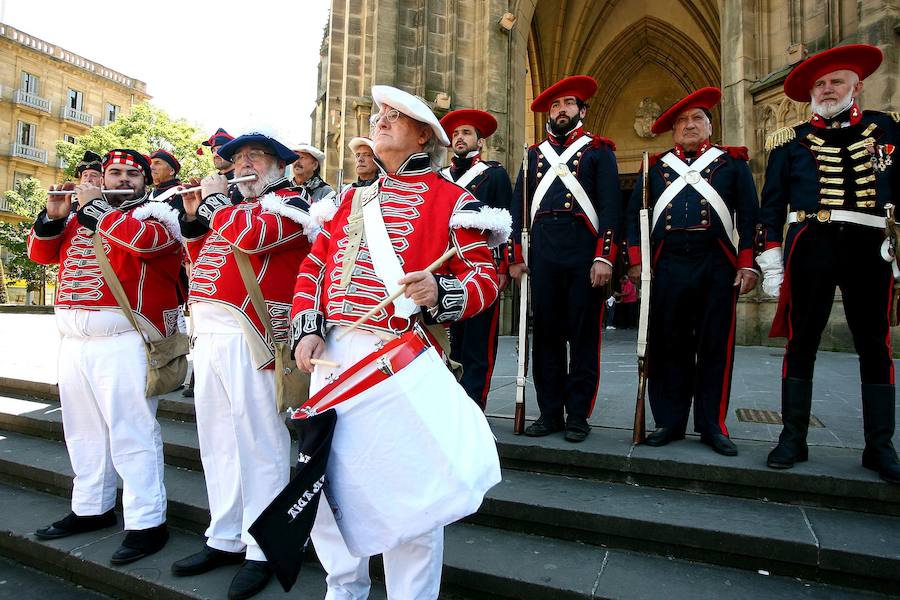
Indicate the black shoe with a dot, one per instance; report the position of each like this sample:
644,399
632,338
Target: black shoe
662,436
250,579
139,543
878,423
577,429
796,403
188,392
720,443
205,560
72,524
544,426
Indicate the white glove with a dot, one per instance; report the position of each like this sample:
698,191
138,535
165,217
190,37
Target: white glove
771,265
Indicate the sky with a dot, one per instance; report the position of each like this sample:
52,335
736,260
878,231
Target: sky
238,65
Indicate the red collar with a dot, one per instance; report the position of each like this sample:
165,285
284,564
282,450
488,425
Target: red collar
679,150
853,115
571,137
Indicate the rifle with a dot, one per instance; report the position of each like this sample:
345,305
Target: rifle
640,427
522,371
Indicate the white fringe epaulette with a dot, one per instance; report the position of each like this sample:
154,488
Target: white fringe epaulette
320,212
496,221
274,203
782,136
163,213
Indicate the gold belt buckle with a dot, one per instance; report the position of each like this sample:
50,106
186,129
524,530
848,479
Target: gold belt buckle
823,216
562,169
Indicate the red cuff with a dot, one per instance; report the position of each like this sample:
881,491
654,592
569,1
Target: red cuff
606,247
634,255
745,259
516,252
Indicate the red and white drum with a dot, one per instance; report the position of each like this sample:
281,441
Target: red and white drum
411,451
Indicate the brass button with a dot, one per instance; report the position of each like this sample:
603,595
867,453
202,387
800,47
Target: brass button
540,156
669,205
578,153
568,205
540,174
668,217
540,164
666,175
703,213
703,201
704,222
668,227
668,183
472,187
575,162
706,171
568,195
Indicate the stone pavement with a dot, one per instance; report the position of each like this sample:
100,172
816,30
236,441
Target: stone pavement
29,344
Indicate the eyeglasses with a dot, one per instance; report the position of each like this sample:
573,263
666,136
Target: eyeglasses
391,116
251,155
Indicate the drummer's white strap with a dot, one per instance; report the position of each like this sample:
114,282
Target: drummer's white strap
384,259
690,175
559,167
467,177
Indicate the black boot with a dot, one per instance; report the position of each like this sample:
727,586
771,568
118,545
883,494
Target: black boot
139,543
251,579
73,524
878,422
796,402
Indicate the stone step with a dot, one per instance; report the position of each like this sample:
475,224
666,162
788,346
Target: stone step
479,562
24,583
833,478
849,548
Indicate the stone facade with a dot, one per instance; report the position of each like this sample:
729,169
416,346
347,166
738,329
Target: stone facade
644,54
36,81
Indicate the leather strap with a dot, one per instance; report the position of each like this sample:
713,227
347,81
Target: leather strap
253,290
355,231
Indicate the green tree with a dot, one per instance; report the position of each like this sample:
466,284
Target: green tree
145,129
27,200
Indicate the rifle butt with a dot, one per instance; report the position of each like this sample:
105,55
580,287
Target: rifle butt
639,433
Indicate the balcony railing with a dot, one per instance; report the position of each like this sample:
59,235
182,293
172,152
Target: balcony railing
79,116
28,152
4,205
61,163
32,100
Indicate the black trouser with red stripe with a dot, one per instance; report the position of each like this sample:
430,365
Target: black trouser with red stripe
473,343
691,332
566,312
829,255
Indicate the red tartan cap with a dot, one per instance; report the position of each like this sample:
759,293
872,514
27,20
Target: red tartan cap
131,158
862,59
484,122
704,98
582,87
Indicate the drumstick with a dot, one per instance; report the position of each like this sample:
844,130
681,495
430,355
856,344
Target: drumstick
429,269
235,180
325,363
66,192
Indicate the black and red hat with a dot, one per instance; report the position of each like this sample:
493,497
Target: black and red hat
484,122
131,158
582,87
167,157
862,59
704,98
219,138
91,161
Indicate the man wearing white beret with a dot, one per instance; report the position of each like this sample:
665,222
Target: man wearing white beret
306,173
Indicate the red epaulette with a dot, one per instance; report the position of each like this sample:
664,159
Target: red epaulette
737,152
599,140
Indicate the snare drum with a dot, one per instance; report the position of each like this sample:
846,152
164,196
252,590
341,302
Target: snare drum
411,451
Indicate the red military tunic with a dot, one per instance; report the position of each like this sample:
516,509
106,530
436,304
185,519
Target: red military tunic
144,248
274,230
424,215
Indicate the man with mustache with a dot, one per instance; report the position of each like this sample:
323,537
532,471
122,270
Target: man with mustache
244,444
224,167
306,172
473,342
832,178
423,215
363,150
700,194
574,212
109,423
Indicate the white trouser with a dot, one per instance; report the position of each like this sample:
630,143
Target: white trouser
412,571
110,426
244,444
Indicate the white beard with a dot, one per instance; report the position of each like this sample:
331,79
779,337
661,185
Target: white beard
831,108
253,189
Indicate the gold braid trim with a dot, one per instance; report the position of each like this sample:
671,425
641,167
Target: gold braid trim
782,136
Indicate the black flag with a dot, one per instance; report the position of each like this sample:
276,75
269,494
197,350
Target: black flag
282,530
